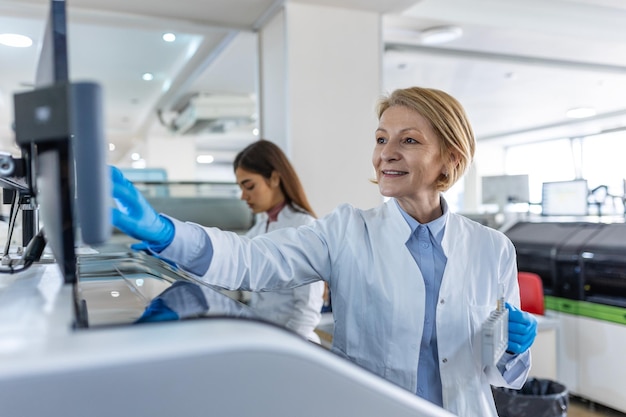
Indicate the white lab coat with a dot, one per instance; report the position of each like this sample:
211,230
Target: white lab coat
378,292
298,309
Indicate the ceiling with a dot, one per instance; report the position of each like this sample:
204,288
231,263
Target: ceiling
518,67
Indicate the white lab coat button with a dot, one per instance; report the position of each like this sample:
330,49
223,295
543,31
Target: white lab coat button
444,360
442,301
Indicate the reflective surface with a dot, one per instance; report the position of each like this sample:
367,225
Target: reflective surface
116,285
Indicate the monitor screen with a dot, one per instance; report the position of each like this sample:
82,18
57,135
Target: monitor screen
59,128
52,195
52,66
43,132
565,198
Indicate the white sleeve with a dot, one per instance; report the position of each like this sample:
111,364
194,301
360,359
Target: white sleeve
512,370
191,248
307,312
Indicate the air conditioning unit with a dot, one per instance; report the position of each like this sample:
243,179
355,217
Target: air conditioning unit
214,113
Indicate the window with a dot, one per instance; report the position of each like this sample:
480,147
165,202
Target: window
603,164
604,161
543,162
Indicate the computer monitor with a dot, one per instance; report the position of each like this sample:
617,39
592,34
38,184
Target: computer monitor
565,198
59,127
505,189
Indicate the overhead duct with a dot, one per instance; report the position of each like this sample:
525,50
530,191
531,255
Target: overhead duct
214,113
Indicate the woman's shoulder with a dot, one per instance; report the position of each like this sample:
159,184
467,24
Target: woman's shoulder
466,222
346,212
295,215
477,229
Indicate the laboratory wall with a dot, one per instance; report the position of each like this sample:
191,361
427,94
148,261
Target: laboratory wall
332,80
319,86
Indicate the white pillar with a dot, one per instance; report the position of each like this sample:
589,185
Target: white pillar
319,87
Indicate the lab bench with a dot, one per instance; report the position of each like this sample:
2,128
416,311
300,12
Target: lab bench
76,350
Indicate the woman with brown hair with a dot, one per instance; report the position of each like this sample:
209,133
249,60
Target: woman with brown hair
272,189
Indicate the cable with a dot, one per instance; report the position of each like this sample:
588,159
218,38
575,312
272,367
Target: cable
32,254
34,249
12,219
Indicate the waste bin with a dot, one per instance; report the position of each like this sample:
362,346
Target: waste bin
536,398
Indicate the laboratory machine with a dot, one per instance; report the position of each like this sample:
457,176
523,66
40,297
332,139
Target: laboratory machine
582,265
81,332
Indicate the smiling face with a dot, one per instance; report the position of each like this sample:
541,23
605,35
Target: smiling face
260,193
407,157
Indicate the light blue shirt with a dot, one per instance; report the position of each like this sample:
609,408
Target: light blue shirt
425,246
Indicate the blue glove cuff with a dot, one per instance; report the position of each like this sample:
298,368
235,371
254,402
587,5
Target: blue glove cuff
157,310
165,236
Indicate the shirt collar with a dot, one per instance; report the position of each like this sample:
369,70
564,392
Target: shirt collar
272,213
436,227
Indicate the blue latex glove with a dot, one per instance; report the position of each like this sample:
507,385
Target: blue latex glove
179,301
522,330
157,310
136,217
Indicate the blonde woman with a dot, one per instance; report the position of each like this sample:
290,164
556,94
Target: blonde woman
412,282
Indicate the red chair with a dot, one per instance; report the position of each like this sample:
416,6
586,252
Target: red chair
531,292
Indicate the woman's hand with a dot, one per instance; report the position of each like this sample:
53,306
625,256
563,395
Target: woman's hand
136,217
522,330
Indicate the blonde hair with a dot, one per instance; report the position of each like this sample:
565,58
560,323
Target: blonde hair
449,121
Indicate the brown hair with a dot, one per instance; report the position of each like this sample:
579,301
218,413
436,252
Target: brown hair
449,121
264,157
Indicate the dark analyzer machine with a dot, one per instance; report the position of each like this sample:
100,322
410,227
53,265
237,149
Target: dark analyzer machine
577,261
84,335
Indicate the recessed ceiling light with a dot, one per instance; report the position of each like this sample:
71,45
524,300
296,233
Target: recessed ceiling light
440,34
580,112
147,76
205,159
169,37
15,40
